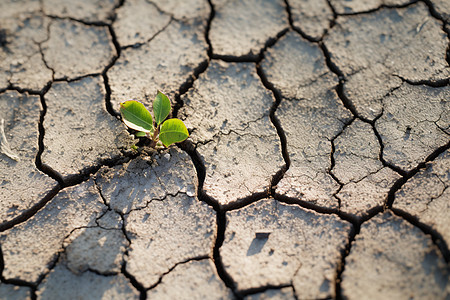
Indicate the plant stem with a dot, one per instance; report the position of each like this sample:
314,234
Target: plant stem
154,138
155,134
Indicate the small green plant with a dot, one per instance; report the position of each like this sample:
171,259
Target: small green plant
137,117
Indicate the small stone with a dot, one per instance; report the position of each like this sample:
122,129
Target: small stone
261,234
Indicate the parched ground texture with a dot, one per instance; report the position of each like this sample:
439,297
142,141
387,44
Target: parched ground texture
318,164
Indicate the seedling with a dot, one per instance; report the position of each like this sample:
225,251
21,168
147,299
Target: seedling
137,117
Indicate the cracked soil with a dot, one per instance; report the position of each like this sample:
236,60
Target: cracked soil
318,164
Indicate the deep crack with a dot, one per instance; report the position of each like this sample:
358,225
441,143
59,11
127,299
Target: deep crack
297,29
252,58
277,124
341,265
436,237
408,175
223,274
382,6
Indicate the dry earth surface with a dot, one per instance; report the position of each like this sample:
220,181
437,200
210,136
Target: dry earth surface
318,164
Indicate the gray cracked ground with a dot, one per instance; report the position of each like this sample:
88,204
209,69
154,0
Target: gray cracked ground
317,166
231,136
375,62
19,133
240,30
76,112
192,278
91,11
21,62
431,204
92,45
388,275
164,63
289,254
311,115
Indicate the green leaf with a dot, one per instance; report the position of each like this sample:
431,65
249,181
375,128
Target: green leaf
161,108
140,134
136,116
173,131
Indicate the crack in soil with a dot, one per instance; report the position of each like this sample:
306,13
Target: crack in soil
71,181
138,45
134,282
252,58
297,29
277,124
341,265
264,288
184,87
201,68
197,258
108,92
191,150
381,152
333,21
333,162
340,87
17,282
84,22
435,14
223,274
430,83
358,221
42,52
382,6
436,237
408,175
